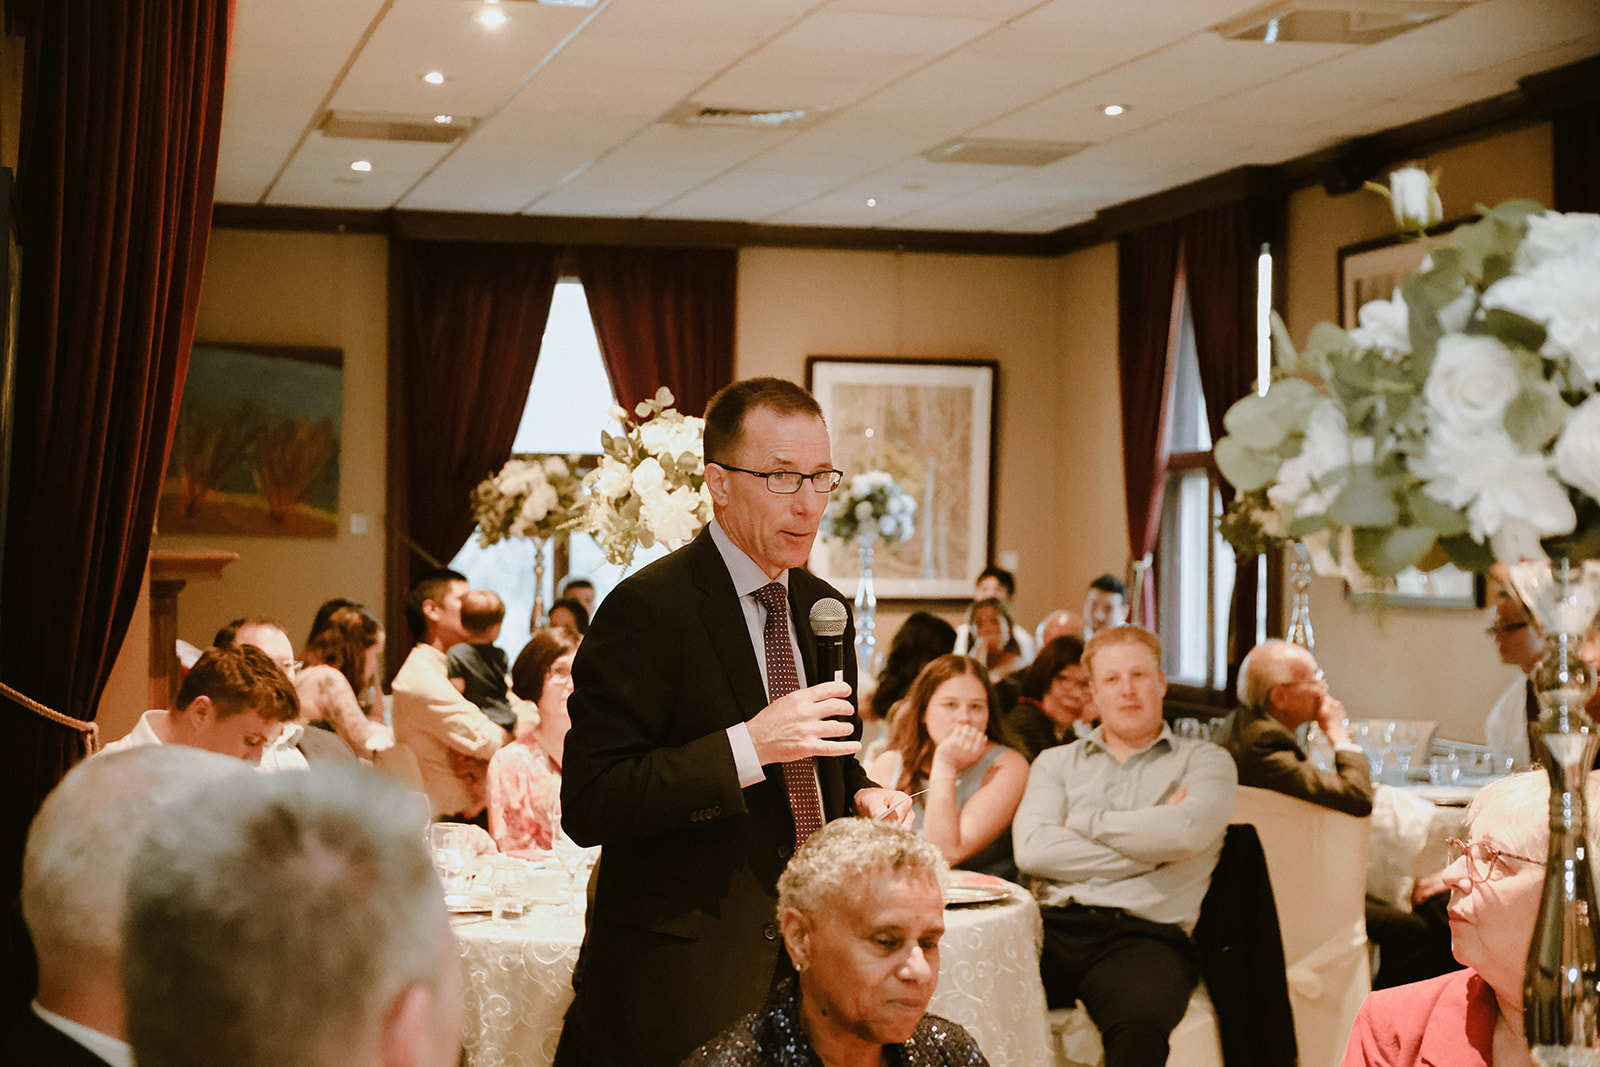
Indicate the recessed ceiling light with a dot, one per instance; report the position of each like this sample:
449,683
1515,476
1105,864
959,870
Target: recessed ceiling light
492,16
872,201
1113,109
361,164
444,120
434,77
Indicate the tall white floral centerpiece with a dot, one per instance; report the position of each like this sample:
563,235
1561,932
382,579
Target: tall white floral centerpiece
532,497
1461,420
650,485
872,507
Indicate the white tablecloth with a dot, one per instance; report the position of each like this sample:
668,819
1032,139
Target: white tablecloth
519,983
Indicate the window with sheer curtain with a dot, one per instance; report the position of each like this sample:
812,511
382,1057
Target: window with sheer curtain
568,405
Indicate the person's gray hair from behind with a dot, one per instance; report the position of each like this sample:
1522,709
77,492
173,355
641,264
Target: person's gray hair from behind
1525,800
79,851
278,920
837,860
1268,664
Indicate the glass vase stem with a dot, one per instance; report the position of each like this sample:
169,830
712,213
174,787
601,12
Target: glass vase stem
866,615
1299,631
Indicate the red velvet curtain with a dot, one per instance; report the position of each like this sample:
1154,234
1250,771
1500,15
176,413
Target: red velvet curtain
664,316
1147,313
468,322
122,111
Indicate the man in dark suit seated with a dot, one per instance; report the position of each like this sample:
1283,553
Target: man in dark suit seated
707,744
74,874
1281,688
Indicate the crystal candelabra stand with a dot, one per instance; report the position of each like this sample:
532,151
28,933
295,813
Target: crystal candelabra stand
1561,985
539,620
1299,631
866,614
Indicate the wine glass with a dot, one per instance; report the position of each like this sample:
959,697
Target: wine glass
1404,739
568,852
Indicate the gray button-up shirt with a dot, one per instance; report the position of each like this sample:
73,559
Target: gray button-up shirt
1099,832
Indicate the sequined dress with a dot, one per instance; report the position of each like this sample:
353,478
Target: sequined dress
774,1037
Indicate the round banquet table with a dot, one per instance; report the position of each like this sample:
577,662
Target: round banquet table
519,982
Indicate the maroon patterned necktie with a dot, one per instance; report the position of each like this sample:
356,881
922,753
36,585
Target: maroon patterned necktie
799,776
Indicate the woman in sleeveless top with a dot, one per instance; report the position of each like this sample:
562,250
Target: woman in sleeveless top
944,743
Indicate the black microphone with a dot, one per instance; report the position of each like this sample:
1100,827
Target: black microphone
828,618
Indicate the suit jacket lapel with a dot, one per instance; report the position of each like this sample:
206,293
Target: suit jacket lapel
725,623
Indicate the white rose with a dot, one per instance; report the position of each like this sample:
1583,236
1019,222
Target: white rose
864,511
889,527
1577,451
1414,198
655,435
648,477
1306,482
1564,295
1472,382
556,467
1557,236
1501,487
671,516
1384,325
615,479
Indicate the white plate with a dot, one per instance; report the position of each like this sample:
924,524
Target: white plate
974,894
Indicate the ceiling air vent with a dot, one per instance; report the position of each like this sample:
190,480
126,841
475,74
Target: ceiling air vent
1336,21
997,153
690,113
381,126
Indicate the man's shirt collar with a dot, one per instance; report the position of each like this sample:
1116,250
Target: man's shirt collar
747,575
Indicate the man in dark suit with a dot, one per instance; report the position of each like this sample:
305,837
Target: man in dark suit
74,873
691,760
1281,689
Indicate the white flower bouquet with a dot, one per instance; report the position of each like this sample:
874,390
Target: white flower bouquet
873,506
1459,421
650,484
532,496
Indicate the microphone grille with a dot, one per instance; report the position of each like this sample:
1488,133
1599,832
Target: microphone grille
828,618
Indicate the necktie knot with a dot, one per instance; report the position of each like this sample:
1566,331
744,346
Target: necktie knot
774,597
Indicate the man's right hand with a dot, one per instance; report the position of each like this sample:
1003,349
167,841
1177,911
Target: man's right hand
1330,716
804,723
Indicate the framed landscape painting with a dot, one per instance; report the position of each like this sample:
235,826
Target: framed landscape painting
931,425
256,450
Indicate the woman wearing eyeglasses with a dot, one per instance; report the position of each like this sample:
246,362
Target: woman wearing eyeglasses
1495,877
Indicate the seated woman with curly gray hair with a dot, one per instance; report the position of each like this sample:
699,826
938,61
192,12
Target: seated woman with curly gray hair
861,908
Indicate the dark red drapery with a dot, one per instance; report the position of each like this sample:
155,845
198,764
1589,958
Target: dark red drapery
1575,136
468,323
1147,318
664,316
122,112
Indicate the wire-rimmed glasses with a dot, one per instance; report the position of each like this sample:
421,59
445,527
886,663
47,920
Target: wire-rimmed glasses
1481,858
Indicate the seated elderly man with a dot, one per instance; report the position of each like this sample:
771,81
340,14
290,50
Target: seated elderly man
861,909
234,701
1120,831
290,919
74,875
1281,689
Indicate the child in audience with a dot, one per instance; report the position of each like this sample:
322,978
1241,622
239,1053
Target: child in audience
478,667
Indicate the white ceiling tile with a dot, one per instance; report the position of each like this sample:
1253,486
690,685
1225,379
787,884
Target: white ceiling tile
881,34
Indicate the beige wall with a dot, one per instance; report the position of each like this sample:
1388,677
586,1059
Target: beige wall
1387,661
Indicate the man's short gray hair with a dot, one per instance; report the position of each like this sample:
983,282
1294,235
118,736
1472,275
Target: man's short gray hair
82,843
1269,664
275,921
837,859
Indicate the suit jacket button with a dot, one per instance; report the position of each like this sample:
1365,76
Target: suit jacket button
770,931
785,851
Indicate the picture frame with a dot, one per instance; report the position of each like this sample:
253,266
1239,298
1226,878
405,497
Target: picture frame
256,450
1373,270
931,423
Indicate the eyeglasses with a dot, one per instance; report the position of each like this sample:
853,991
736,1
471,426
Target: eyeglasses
1481,858
1498,628
1080,685
787,482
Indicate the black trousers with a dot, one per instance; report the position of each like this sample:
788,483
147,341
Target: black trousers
1134,977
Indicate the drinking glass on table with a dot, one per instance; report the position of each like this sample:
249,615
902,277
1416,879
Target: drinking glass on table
1403,738
508,882
452,856
568,852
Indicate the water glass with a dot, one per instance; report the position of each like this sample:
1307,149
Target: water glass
508,882
548,886
1444,770
452,856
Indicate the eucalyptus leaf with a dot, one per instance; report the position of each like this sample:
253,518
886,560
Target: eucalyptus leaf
1253,421
1388,552
1535,416
1442,519
1513,330
1283,347
1466,553
1367,499
1245,468
1423,316
1304,526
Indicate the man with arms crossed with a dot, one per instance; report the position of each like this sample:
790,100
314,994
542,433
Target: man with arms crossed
706,744
1121,830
